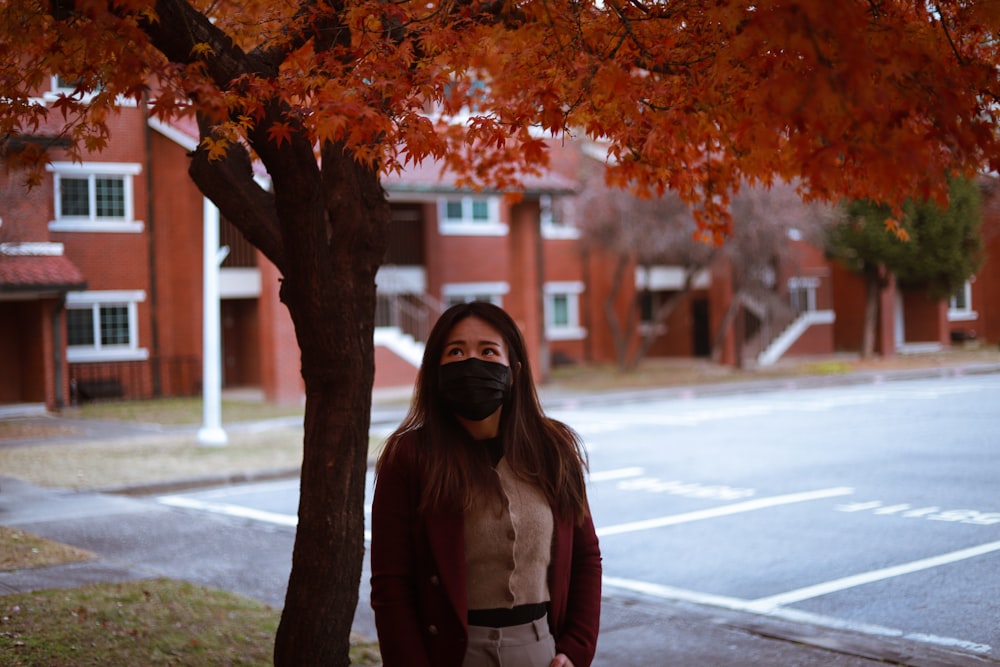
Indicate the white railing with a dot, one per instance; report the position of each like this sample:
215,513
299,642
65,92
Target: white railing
792,333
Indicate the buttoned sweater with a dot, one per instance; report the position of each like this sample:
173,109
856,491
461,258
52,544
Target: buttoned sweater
508,545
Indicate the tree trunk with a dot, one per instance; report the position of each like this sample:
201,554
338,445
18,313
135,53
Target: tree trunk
727,321
663,313
873,289
330,293
618,331
326,232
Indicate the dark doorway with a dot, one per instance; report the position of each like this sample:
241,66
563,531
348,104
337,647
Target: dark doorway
701,343
240,343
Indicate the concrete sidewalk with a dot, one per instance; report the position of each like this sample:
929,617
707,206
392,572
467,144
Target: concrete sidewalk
137,538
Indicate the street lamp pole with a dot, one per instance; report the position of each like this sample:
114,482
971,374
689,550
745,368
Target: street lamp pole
211,432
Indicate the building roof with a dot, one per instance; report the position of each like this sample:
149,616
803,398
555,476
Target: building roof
426,177
429,176
39,273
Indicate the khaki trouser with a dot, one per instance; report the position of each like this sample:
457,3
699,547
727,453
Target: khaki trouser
528,645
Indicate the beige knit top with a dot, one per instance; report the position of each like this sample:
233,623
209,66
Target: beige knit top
508,547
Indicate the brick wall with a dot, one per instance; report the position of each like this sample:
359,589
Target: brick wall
176,224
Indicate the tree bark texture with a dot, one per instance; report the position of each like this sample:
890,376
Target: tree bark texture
873,289
325,229
333,233
331,297
662,314
732,310
618,331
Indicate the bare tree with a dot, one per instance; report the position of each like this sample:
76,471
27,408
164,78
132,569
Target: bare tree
638,232
764,219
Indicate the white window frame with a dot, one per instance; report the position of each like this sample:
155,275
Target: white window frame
55,90
808,285
467,225
90,171
465,292
552,226
966,314
94,300
572,330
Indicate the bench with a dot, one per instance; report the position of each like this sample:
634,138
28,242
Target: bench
98,388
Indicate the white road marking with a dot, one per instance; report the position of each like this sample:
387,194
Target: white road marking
239,511
724,510
699,410
228,509
270,486
620,473
686,489
769,603
932,513
792,615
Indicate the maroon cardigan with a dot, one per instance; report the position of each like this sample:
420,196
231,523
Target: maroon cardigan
418,576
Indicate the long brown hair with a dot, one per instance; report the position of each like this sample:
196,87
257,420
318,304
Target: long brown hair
538,449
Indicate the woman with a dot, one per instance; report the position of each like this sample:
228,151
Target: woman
482,539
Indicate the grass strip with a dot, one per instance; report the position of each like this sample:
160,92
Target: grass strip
20,550
90,464
153,622
181,411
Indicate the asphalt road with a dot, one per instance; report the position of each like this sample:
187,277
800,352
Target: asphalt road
871,509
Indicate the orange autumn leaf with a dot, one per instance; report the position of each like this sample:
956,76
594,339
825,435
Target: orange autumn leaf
849,99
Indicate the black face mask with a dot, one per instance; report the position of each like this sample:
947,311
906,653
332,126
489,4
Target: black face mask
473,389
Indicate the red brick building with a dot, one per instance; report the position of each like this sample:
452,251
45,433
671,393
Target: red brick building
101,283
910,320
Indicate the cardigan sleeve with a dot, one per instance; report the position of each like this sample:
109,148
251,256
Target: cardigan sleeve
393,581
578,635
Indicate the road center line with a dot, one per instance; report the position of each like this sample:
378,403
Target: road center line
770,603
725,510
230,510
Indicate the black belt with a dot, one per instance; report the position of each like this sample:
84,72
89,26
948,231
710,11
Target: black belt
504,618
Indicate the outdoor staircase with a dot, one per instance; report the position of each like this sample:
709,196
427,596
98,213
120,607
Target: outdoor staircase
401,344
791,333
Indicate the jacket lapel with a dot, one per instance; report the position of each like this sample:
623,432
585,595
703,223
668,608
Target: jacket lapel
446,532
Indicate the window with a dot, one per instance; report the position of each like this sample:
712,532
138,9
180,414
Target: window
553,219
471,216
61,84
650,302
94,197
960,304
64,85
802,294
559,308
562,311
456,293
103,326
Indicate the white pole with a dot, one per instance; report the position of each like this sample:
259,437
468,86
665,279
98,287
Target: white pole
211,432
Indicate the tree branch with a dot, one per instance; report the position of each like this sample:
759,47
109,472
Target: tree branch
229,183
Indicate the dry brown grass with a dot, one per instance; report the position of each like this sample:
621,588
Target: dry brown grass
89,464
19,550
660,372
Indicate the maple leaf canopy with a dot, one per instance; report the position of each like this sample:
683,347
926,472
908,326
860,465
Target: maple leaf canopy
878,100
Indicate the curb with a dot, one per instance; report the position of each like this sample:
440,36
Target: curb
391,415
884,648
171,486
557,399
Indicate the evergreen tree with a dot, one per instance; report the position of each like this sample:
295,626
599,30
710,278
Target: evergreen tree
936,248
